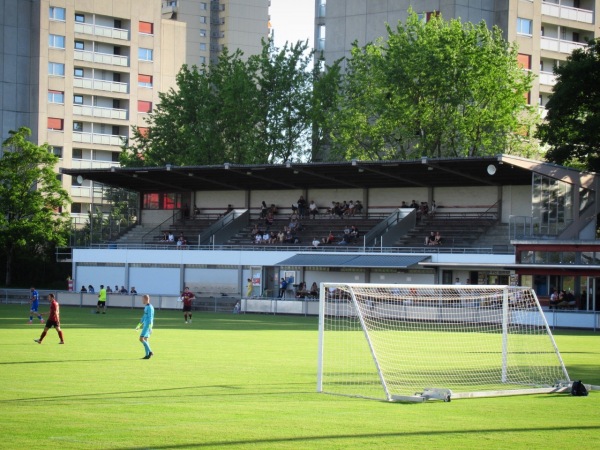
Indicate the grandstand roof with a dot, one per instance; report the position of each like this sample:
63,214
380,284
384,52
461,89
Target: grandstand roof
481,171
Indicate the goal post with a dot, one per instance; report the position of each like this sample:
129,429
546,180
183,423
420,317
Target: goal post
399,342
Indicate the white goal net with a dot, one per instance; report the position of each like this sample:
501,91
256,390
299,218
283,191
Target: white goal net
414,342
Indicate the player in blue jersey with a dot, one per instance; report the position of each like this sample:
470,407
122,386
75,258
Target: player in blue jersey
35,304
145,324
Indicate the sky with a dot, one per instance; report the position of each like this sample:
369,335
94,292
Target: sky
293,20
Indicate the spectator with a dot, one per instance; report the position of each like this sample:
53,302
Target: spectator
350,209
429,240
116,289
301,206
83,289
133,291
171,237
314,290
329,239
432,209
358,207
345,238
403,205
91,289
264,209
414,205
255,230
282,287
228,210
281,236
123,290
315,243
273,238
266,238
354,233
165,236
108,289
258,238
438,238
554,299
313,209
273,209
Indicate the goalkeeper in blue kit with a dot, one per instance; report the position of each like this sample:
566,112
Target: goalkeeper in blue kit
145,324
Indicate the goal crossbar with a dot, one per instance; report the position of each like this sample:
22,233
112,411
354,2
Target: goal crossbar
414,342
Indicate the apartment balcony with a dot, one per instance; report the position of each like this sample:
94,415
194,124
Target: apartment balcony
103,58
547,78
567,12
98,111
92,164
86,192
169,8
98,138
543,112
560,45
102,31
101,85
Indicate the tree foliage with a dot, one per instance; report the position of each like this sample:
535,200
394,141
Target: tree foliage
434,89
573,119
240,111
30,198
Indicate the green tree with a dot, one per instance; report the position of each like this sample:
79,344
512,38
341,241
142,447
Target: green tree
434,89
285,85
30,197
573,119
240,111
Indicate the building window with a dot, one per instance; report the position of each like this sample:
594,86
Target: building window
143,131
56,41
55,123
79,45
78,72
56,97
203,5
524,26
79,18
145,80
78,99
146,27
57,151
77,126
144,106
56,69
76,208
202,46
202,19
524,61
145,54
203,60
202,32
57,13
77,153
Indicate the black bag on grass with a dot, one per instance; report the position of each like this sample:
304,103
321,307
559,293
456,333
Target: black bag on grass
578,389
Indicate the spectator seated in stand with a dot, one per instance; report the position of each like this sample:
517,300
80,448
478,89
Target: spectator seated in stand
358,207
315,243
165,236
350,209
108,289
83,289
133,291
91,289
429,240
328,239
554,299
438,238
354,233
273,209
269,220
345,238
281,236
314,290
171,237
258,238
123,290
266,237
255,230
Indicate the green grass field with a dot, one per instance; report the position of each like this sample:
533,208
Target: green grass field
245,381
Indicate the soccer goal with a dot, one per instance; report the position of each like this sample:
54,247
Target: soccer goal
419,342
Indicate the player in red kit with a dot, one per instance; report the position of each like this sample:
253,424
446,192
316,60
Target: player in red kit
53,320
187,298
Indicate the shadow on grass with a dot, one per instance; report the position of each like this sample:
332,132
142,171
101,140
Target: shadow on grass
315,439
156,393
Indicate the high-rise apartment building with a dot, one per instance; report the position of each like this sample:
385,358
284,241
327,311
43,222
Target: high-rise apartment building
546,31
80,73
